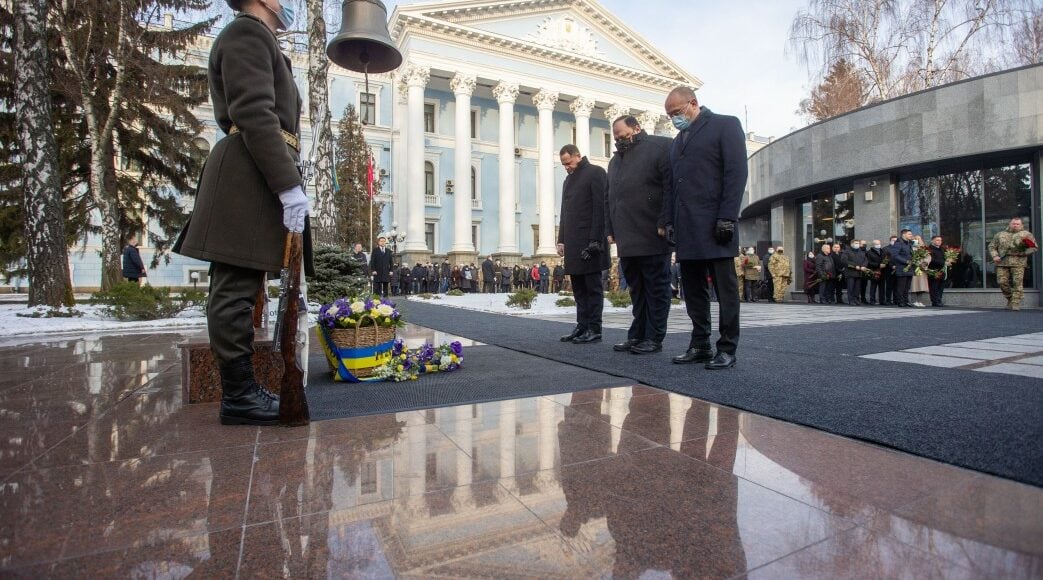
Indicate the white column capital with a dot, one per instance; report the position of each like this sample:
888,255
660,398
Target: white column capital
403,93
417,75
463,83
616,111
582,106
649,120
506,92
545,100
666,127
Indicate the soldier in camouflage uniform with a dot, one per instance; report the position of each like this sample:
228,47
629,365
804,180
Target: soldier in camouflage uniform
1010,250
740,272
781,272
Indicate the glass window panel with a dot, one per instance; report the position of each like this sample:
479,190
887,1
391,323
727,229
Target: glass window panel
429,236
822,220
368,108
918,206
805,240
1008,194
474,124
429,118
960,225
844,218
429,178
474,184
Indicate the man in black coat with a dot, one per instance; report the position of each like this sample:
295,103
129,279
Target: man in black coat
405,279
133,267
708,168
937,264
855,264
902,258
582,241
874,257
638,176
838,267
380,268
887,275
488,275
826,272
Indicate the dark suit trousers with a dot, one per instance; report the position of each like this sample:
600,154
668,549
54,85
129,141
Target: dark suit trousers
648,279
697,301
936,287
890,285
229,310
381,288
589,293
902,290
854,289
876,290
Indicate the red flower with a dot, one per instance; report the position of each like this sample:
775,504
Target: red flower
1028,243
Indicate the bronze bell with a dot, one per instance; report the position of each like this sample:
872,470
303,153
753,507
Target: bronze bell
364,43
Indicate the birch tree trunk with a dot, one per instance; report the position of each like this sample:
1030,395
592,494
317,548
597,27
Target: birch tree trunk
324,216
47,255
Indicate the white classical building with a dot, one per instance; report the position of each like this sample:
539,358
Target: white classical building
466,132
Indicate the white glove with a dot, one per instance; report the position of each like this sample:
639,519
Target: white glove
294,208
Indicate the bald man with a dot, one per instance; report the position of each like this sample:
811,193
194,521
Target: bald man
708,168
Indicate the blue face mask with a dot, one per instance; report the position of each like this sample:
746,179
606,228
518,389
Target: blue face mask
285,15
680,121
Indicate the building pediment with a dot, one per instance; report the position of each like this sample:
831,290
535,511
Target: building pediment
576,32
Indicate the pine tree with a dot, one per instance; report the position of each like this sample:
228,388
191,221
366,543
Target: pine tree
124,75
324,224
47,257
351,199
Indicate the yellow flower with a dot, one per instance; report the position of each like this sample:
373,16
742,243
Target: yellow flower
454,358
399,368
402,356
374,313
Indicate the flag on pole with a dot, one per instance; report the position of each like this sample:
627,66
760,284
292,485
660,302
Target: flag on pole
369,176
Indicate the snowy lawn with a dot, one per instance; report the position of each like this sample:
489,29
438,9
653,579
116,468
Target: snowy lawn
542,306
93,320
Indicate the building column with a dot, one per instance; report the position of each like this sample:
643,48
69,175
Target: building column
616,111
507,250
399,187
582,107
462,251
508,440
462,497
545,101
415,248
416,464
649,121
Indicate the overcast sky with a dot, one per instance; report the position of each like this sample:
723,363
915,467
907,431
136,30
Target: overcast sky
737,48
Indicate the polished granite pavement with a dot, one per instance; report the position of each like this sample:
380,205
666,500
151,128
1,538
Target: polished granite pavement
106,474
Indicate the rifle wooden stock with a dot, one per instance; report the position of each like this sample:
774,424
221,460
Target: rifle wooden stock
293,403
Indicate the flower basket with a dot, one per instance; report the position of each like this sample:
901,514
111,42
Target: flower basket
354,354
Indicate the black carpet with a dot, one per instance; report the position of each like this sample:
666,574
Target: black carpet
489,374
811,374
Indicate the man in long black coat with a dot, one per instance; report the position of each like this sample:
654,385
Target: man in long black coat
582,241
708,166
133,267
488,276
638,176
380,268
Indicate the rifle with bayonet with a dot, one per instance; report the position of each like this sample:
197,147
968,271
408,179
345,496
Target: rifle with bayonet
291,324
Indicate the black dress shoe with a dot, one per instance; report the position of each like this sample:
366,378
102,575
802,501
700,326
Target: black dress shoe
646,347
625,346
694,355
575,332
588,337
723,360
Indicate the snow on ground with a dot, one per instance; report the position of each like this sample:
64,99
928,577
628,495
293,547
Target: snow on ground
497,303
93,320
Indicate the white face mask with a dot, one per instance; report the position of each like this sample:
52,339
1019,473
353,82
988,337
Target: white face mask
854,246
877,246
749,252
811,256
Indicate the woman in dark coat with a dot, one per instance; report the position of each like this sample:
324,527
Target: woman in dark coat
456,277
810,280
249,194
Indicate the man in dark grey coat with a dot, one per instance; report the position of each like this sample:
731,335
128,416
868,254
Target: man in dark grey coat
380,268
582,241
488,275
249,195
133,267
708,167
638,176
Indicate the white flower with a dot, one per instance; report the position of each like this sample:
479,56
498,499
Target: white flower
445,360
333,310
358,307
385,310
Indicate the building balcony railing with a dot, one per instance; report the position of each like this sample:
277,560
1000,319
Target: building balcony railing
431,200
476,204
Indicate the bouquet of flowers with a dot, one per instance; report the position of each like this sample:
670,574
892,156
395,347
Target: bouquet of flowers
359,312
407,365
936,274
871,274
952,253
920,256
1025,244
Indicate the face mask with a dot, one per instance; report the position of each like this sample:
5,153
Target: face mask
285,15
749,252
623,145
854,246
771,251
680,121
811,256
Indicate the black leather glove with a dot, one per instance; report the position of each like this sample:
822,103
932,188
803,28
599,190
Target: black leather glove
724,231
670,236
592,249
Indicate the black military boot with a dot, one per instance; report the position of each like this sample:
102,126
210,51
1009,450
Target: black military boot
243,400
